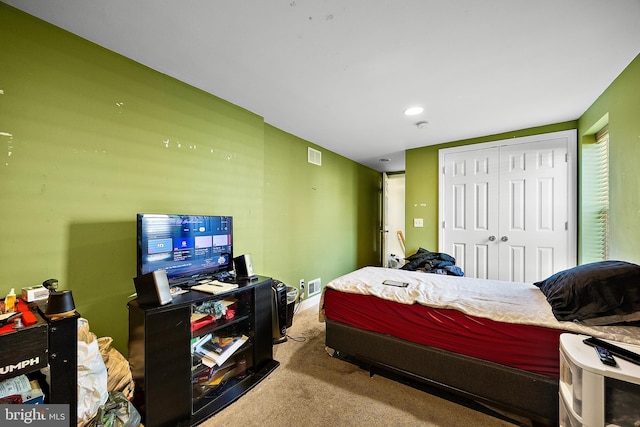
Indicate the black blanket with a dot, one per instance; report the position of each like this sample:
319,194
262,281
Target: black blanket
432,262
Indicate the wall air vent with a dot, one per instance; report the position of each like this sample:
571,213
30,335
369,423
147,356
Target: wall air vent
314,156
315,286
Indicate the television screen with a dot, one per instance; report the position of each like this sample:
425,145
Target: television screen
189,247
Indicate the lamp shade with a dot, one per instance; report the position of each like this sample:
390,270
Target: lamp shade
60,304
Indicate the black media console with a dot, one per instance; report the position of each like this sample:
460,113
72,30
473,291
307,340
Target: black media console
173,385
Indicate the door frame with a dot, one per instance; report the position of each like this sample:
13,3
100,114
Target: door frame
572,181
395,218
384,222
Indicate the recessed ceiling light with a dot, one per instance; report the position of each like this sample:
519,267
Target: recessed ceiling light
422,125
413,111
384,159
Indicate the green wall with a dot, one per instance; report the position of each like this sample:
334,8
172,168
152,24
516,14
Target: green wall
619,105
90,138
297,191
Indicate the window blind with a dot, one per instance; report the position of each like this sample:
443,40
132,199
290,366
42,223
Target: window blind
595,198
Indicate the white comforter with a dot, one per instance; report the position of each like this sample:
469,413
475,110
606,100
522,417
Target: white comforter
509,302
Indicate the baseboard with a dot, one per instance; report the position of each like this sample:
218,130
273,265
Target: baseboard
310,302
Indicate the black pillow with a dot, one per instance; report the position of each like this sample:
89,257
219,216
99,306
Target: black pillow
605,289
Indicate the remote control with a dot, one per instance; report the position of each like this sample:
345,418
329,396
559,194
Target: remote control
622,353
605,356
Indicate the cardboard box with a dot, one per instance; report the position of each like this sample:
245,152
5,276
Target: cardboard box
35,396
35,293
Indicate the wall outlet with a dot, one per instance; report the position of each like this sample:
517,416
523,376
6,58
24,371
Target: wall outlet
301,288
315,286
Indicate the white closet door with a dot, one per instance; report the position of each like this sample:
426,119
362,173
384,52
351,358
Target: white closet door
507,209
533,241
471,213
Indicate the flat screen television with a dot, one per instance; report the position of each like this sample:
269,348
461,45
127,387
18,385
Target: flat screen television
189,247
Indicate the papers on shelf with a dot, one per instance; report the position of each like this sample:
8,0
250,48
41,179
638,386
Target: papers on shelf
215,287
15,385
221,374
214,352
176,290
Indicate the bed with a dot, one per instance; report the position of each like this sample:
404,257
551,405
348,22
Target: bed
493,341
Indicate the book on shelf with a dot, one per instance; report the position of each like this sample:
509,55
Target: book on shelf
200,373
203,374
217,350
222,373
197,342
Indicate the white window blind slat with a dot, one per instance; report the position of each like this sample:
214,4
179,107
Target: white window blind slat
595,181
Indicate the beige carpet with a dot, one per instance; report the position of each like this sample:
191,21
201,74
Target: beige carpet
310,388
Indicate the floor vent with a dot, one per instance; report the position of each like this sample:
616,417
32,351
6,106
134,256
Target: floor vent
314,156
314,286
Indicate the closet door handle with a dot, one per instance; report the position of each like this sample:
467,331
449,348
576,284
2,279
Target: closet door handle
492,238
504,238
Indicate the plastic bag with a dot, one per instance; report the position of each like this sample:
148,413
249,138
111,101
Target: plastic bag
92,374
119,376
116,412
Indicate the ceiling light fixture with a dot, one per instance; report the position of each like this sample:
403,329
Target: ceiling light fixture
384,159
422,125
413,111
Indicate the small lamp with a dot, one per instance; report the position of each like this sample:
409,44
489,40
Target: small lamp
60,304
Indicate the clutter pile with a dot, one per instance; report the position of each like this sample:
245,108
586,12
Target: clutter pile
105,383
432,262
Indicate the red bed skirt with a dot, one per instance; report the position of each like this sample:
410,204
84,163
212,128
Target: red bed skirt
531,348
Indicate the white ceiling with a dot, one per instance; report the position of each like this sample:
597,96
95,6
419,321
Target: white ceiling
339,73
